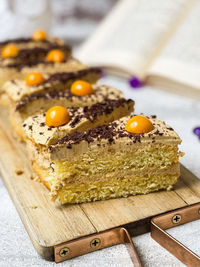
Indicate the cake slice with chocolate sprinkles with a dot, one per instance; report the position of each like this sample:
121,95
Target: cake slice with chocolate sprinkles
18,55
19,89
38,39
37,103
129,156
45,129
21,70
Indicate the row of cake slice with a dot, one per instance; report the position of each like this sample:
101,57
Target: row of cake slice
85,146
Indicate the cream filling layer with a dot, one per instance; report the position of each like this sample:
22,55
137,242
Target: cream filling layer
112,188
106,160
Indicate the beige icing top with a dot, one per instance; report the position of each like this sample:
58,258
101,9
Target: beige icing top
101,94
30,45
81,118
17,89
112,136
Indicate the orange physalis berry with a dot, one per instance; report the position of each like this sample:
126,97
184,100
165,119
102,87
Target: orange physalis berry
55,55
9,50
34,78
81,88
57,116
39,35
138,125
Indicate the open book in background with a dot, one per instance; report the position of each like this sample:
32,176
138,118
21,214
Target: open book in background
157,41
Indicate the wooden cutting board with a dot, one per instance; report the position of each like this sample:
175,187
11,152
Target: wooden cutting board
49,224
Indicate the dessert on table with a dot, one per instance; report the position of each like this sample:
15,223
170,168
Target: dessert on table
47,128
130,156
70,97
37,82
39,38
18,56
29,52
21,70
82,141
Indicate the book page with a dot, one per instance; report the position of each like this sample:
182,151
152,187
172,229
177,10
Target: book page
180,59
130,33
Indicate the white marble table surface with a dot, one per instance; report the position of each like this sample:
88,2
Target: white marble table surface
183,115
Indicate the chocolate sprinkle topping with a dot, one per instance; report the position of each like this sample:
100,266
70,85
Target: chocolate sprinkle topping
28,54
20,40
53,94
65,76
21,65
91,112
33,56
107,132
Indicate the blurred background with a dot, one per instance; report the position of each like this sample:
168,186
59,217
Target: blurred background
72,20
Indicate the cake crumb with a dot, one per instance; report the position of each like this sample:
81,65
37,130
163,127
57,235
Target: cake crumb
19,171
34,178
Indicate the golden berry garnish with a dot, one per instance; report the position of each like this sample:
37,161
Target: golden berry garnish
81,88
138,125
34,78
39,35
57,116
9,51
55,55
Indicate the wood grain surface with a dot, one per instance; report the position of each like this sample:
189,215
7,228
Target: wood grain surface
50,224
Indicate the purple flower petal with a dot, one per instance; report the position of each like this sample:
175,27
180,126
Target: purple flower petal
135,83
197,131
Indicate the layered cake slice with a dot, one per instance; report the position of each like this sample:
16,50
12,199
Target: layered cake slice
42,101
21,50
45,129
36,82
21,70
38,39
17,56
55,62
130,156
